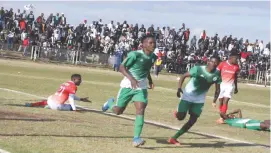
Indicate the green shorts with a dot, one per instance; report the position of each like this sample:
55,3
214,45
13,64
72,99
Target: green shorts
126,95
195,108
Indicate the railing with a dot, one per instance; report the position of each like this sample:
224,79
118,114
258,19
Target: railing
79,57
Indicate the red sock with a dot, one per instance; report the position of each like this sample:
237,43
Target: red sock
224,108
41,103
220,107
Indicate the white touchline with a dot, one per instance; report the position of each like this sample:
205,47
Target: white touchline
146,121
109,83
3,151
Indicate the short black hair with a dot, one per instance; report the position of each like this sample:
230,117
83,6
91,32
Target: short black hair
216,57
146,37
75,76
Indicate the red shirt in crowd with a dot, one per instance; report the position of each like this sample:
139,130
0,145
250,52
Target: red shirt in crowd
245,54
22,25
26,42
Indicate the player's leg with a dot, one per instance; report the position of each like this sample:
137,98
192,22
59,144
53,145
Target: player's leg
123,98
228,91
64,107
183,107
140,99
42,103
255,125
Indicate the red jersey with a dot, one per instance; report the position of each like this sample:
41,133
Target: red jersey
245,54
62,94
228,72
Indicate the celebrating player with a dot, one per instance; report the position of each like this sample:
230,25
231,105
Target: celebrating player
65,92
229,70
193,97
136,70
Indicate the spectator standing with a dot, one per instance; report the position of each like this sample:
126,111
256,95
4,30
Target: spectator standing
10,37
203,35
30,19
25,45
261,45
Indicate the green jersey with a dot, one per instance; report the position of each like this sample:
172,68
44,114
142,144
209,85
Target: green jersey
138,65
199,84
244,123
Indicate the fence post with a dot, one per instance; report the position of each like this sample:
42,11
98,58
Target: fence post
257,76
77,57
35,53
261,77
32,48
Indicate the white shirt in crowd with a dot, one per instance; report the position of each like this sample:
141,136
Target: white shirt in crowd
11,35
266,52
221,53
57,34
111,26
261,46
230,47
249,48
23,35
94,32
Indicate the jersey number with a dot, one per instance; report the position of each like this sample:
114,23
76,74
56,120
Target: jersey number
60,91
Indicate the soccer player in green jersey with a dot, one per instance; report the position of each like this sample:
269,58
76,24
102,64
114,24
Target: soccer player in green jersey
136,70
237,121
194,94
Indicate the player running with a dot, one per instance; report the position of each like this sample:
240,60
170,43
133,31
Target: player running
229,70
136,70
65,92
193,97
237,121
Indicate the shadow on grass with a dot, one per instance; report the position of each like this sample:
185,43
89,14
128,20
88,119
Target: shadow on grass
166,127
218,144
210,144
28,119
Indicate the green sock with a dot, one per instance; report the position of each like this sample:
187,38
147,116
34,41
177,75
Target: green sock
139,122
179,133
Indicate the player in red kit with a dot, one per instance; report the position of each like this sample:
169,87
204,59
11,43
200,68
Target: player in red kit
66,92
229,70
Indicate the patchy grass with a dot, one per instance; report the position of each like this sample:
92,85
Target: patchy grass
41,130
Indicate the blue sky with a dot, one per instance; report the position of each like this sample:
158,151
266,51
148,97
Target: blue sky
250,20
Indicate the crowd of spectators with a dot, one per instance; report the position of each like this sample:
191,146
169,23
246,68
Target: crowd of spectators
176,49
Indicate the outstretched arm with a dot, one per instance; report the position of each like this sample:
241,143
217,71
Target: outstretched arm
217,91
237,111
228,116
235,83
180,84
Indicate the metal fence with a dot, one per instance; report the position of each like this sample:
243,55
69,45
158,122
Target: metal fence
79,57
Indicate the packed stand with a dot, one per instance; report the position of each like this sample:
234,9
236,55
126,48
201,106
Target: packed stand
176,51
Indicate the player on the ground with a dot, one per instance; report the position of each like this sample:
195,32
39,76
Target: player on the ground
65,92
229,70
194,94
237,121
136,70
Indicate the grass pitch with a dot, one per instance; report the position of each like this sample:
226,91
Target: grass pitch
26,130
